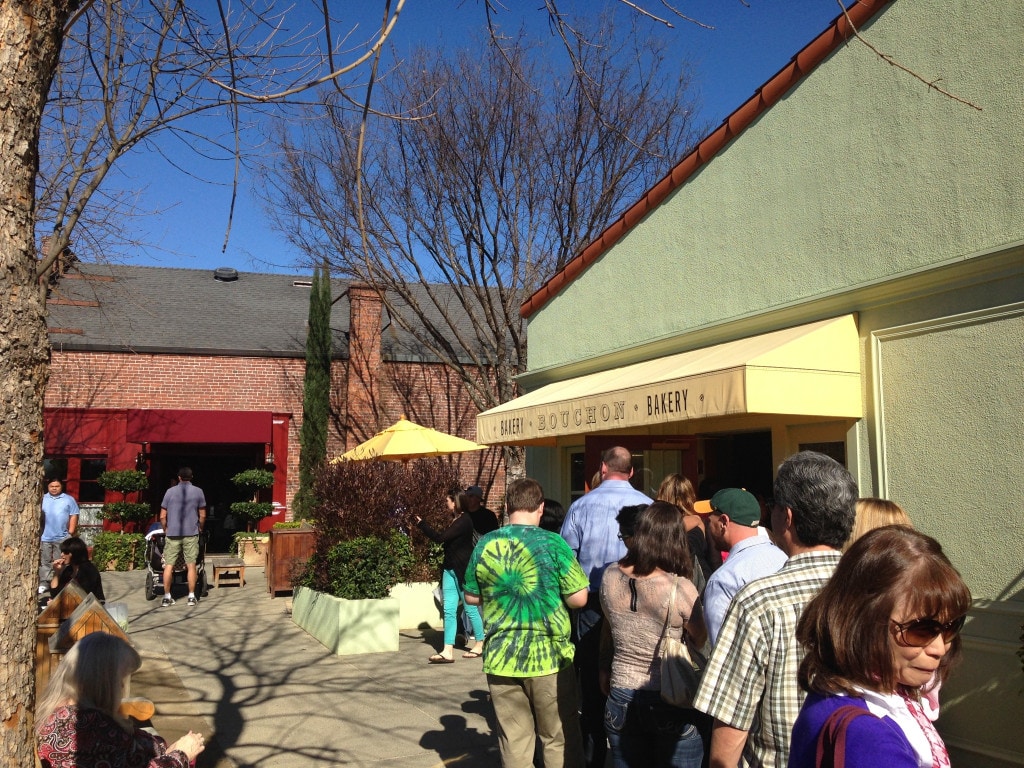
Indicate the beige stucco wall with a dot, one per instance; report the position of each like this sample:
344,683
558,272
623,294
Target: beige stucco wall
865,192
859,174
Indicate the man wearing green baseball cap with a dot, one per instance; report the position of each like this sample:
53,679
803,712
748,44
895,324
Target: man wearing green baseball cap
734,528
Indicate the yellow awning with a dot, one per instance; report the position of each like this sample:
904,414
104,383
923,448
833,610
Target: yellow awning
811,370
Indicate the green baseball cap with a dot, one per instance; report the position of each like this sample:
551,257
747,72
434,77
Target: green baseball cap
741,506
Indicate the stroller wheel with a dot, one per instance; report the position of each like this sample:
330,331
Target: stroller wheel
151,590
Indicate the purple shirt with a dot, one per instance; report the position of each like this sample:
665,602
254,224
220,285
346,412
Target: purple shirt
183,503
870,741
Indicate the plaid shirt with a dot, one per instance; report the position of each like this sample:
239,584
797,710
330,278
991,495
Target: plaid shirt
751,683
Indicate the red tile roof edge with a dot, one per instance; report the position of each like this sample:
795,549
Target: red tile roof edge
801,64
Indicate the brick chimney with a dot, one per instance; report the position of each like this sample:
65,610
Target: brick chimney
364,363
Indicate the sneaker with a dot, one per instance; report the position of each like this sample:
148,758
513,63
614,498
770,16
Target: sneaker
191,601
167,602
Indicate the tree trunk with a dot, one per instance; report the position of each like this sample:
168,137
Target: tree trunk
30,38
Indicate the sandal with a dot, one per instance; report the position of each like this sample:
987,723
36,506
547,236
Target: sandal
437,658
473,654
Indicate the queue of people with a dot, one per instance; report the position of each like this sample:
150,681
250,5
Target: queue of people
829,634
840,605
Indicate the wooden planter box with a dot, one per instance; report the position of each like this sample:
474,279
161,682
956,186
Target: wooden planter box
71,615
287,553
346,627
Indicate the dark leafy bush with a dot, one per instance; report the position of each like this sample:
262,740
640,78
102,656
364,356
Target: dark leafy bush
127,549
251,512
125,512
362,569
377,499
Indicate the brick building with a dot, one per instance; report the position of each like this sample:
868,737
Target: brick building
158,368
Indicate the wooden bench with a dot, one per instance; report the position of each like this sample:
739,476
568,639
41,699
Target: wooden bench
228,566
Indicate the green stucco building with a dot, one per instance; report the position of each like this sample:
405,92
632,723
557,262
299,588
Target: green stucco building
839,266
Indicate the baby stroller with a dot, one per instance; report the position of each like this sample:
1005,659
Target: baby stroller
155,565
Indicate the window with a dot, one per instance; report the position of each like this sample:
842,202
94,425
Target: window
577,476
79,474
836,449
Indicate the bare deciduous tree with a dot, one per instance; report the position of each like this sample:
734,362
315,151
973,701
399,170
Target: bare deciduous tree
174,81
498,170
127,100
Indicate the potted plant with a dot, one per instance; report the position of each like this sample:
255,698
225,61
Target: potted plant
251,545
363,549
125,553
250,482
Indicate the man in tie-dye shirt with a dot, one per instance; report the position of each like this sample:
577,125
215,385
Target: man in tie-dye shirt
525,576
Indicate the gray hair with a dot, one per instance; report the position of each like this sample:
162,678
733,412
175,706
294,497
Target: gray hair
822,496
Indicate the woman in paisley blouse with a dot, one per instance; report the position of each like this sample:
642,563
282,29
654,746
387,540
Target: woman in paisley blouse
77,719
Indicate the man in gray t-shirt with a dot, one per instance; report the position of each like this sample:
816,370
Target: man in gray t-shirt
182,515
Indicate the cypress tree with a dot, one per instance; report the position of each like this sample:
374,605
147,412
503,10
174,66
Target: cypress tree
316,392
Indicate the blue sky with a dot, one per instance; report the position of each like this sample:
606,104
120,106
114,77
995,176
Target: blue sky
749,42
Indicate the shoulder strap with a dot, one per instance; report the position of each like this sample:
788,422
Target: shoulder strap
671,604
831,751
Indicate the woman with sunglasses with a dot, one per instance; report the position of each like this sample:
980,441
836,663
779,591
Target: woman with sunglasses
883,630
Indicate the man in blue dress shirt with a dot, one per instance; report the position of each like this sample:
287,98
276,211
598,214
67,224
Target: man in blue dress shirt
592,532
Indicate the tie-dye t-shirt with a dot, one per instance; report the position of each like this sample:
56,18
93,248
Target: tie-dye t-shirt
522,572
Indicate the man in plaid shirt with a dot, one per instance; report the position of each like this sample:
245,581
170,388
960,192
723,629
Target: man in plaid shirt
750,684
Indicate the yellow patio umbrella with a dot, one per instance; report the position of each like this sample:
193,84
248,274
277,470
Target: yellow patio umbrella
406,440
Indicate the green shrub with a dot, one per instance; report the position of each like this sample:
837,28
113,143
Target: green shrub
251,512
125,481
125,512
128,549
365,568
250,482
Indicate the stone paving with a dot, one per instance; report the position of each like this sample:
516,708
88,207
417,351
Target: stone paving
266,694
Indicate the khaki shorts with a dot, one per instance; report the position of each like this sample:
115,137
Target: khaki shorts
175,544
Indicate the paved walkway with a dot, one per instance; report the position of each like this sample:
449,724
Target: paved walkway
266,694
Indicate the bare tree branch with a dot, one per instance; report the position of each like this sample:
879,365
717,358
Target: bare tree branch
455,217
893,62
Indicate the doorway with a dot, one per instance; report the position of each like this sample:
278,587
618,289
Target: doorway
213,465
738,460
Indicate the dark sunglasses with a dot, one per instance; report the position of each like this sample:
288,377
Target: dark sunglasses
917,633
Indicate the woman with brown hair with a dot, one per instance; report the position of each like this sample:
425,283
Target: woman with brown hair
884,629
457,543
646,589
677,489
